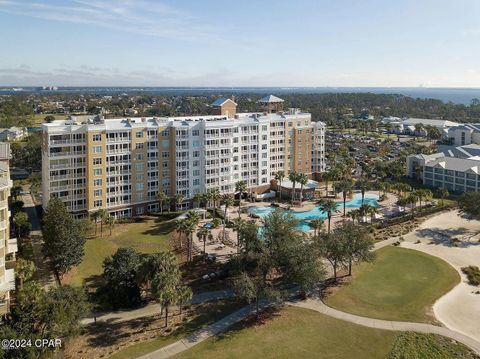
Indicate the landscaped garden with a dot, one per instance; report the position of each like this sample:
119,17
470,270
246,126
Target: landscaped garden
146,235
133,338
401,284
301,333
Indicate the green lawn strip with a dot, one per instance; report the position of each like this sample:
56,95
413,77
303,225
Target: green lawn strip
429,346
147,236
297,333
401,284
214,311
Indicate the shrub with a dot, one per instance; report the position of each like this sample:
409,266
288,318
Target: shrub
473,274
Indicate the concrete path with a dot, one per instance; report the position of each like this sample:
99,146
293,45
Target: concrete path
44,273
319,306
152,308
316,305
203,334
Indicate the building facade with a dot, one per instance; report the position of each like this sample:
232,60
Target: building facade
8,246
121,164
442,171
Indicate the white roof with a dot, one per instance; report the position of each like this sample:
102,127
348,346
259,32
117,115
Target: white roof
311,184
270,99
430,122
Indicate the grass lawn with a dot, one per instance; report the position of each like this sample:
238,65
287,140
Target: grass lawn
401,284
149,235
297,333
301,333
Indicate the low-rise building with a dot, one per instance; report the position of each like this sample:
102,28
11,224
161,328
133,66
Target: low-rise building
13,133
440,170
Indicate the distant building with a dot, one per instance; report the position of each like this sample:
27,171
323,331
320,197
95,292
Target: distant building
408,126
13,133
450,169
464,134
224,107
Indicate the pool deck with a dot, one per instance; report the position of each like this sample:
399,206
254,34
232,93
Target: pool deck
227,249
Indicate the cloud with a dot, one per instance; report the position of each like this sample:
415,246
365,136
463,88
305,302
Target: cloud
139,17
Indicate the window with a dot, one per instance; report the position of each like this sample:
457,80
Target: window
97,137
139,156
97,203
139,134
139,186
97,193
139,146
139,167
97,182
195,133
97,149
97,171
97,161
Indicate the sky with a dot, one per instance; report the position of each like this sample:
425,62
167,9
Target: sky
333,43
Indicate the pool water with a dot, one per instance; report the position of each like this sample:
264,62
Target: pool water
315,213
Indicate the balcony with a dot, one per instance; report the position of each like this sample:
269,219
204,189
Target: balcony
66,142
66,154
12,246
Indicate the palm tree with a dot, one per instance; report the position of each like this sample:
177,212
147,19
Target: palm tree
24,270
443,193
94,216
238,225
197,198
354,214
15,192
110,222
363,185
293,176
192,219
365,210
327,177
317,225
303,180
227,200
279,176
202,235
328,206
180,226
176,200
102,215
161,197
345,186
372,212
215,197
241,187
206,198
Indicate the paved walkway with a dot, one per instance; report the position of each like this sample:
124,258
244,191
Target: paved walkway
152,308
203,334
45,275
319,306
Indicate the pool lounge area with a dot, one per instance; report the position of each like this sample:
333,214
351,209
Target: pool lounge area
304,217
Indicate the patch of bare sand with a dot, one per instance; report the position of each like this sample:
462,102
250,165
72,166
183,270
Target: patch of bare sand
455,239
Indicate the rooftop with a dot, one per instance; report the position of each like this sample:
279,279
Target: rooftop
270,99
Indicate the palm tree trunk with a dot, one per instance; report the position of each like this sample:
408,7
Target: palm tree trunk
350,267
166,316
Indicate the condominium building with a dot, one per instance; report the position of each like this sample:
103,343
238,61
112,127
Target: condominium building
442,170
8,246
121,164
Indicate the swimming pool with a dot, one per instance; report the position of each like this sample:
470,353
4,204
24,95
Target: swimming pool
355,202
